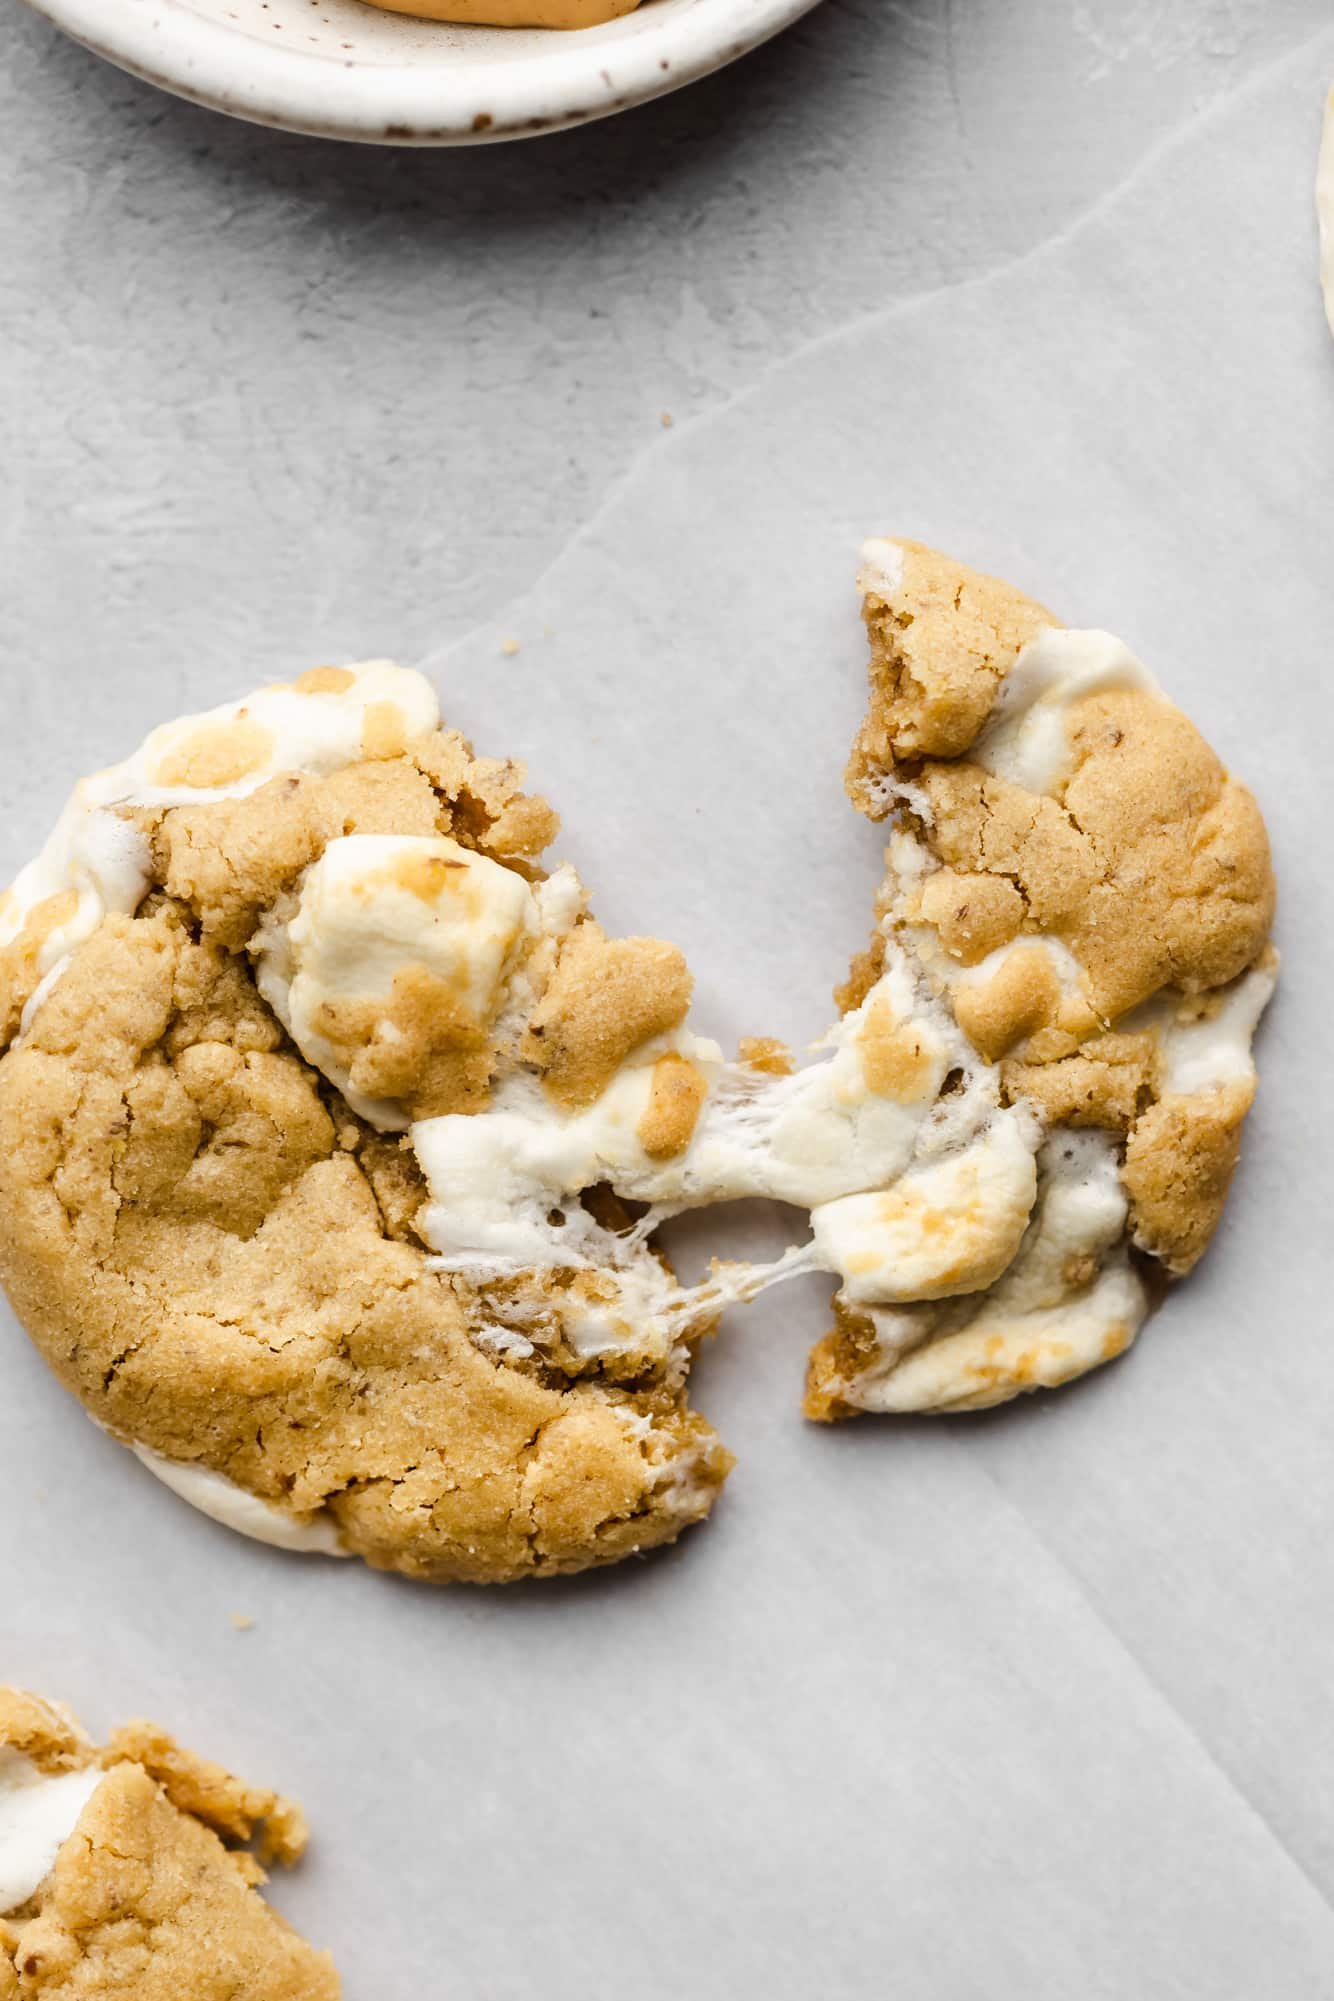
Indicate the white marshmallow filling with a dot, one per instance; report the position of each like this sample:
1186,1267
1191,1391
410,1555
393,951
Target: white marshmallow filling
38,1813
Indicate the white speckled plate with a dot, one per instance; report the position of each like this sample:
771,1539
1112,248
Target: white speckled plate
345,70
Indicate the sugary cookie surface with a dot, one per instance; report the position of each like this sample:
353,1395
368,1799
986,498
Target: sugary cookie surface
125,1871
1076,877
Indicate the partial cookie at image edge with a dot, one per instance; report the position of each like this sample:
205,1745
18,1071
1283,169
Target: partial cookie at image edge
129,1868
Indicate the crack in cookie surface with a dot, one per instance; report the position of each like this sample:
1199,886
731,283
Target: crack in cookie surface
128,1870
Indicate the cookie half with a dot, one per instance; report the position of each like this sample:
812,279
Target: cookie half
128,1870
254,965
1075,877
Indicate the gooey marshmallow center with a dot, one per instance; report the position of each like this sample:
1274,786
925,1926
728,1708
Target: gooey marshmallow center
912,1194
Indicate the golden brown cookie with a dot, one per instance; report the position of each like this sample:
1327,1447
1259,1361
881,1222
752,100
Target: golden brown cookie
251,964
129,1870
1074,875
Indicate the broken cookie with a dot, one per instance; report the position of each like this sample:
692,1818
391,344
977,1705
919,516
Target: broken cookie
334,1132
253,965
1076,879
127,1870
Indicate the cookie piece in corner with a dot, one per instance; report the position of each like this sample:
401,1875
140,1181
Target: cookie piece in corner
128,1870
254,965
1075,876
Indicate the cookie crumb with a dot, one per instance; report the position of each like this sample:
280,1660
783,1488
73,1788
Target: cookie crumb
509,647
667,420
766,1054
242,1622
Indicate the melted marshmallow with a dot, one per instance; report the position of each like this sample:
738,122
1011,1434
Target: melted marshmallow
1026,739
103,862
96,862
231,1506
947,1226
803,1139
503,1182
881,573
315,729
1066,967
1070,1300
376,907
1214,1048
38,1813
